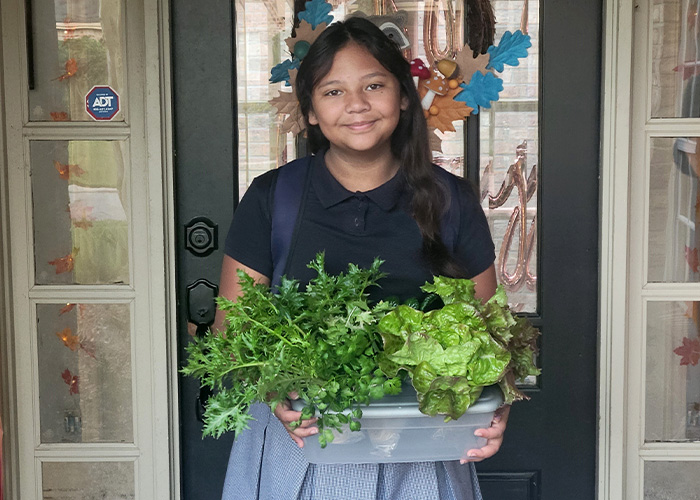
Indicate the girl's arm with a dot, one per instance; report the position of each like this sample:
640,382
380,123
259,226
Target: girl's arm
485,286
230,288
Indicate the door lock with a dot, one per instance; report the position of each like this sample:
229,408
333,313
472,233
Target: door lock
201,236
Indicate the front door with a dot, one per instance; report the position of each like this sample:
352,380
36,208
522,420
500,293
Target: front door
544,131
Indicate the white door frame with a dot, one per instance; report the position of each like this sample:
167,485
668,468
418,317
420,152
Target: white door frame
150,112
614,201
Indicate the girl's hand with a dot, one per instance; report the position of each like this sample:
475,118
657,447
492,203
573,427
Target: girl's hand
287,416
493,435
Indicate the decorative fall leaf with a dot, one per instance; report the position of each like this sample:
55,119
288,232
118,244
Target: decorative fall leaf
316,12
71,69
689,351
71,380
66,309
59,116
287,104
481,90
66,171
510,48
71,341
64,264
306,33
82,224
448,111
693,311
691,257
280,72
468,65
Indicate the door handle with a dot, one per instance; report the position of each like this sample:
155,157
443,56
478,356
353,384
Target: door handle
201,303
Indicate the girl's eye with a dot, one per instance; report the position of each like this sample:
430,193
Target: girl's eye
332,93
374,86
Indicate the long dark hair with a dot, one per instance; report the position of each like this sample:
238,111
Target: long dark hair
409,142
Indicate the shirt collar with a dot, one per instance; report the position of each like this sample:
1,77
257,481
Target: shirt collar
330,192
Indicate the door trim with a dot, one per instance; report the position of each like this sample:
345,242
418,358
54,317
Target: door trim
614,274
170,236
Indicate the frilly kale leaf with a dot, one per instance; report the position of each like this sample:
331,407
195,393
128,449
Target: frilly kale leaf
511,47
320,342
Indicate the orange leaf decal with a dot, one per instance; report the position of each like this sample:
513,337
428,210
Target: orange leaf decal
59,116
693,311
689,351
82,224
71,341
71,380
66,171
691,257
64,264
446,110
71,69
66,309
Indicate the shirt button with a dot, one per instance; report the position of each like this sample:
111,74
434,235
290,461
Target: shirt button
357,221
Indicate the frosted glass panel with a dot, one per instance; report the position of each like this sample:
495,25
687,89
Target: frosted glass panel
671,481
77,45
672,372
81,216
675,88
85,373
673,210
87,480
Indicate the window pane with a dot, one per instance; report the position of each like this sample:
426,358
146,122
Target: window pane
673,207
77,44
85,373
672,372
671,480
81,218
674,59
87,480
509,145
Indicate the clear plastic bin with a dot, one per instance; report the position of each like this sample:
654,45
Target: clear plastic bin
394,430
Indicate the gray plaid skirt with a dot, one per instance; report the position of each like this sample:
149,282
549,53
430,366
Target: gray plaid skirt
266,464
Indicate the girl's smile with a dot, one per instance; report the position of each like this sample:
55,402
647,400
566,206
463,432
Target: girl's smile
357,104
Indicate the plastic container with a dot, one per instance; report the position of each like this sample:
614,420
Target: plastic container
394,430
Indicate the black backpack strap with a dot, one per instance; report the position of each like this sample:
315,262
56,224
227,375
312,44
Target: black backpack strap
289,192
449,224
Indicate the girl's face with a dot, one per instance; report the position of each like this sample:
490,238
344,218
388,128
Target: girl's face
358,103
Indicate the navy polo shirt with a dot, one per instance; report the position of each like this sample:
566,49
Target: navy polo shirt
355,227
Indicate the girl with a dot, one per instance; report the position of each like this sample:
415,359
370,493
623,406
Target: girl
371,191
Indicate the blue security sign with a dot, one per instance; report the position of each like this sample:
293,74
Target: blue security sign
102,102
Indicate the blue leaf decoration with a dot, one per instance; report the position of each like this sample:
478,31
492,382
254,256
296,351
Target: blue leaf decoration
511,47
316,12
280,72
482,89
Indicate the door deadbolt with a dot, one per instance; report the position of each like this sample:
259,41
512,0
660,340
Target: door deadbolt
201,236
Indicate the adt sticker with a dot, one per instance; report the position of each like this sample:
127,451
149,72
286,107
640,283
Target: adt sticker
102,102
